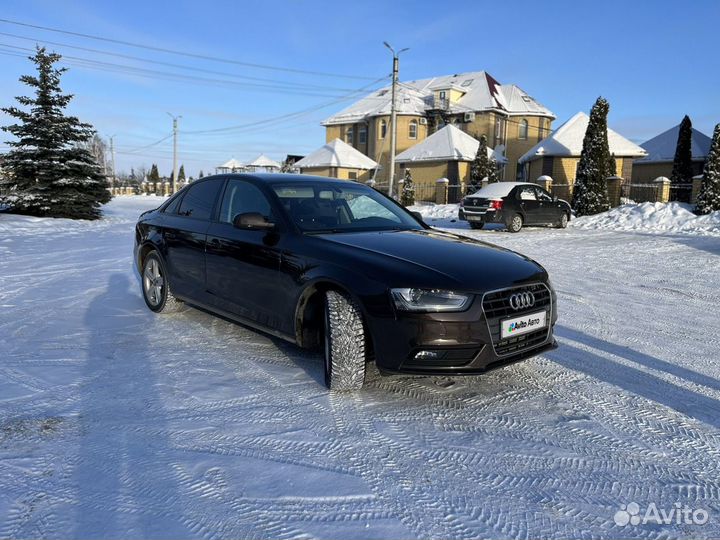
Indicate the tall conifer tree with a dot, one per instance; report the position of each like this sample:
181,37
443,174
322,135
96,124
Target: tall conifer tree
50,171
590,192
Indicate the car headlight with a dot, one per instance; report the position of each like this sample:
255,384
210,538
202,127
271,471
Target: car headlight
429,300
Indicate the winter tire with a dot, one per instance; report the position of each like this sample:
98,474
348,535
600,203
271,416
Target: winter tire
476,224
344,339
515,223
156,291
563,221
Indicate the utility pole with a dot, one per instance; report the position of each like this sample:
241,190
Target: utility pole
393,116
112,158
175,167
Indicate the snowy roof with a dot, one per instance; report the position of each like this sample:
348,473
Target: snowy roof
567,140
232,164
662,147
448,143
482,92
263,161
336,154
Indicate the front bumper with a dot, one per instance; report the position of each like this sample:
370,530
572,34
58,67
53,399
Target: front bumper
465,343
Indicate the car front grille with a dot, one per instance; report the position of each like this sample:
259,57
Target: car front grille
496,306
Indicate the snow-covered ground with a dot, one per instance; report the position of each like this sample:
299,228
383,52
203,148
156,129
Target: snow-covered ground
115,422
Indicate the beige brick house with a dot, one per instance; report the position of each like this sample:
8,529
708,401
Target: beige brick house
661,153
475,103
558,155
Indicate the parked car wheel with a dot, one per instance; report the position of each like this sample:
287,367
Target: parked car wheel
563,221
156,292
515,223
476,224
344,344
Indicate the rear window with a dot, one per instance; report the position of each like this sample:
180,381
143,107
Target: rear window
199,200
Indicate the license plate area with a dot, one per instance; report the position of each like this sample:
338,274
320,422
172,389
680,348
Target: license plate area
523,324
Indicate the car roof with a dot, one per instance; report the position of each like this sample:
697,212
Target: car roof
283,178
499,189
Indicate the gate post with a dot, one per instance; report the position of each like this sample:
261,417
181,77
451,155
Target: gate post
441,190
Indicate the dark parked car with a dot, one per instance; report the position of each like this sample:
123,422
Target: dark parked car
336,265
514,204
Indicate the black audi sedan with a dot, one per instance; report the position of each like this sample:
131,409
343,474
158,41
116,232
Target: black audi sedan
514,204
336,265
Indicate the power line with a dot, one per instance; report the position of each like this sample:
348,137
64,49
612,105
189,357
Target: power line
165,75
183,53
171,64
351,95
151,145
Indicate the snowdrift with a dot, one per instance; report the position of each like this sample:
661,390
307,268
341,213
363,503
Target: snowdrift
652,218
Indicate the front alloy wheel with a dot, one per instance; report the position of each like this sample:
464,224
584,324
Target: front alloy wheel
344,343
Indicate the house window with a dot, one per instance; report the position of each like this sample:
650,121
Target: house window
523,130
349,135
412,129
499,130
383,129
362,135
352,175
442,94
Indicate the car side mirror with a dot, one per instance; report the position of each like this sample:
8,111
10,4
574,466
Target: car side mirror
418,216
555,198
252,221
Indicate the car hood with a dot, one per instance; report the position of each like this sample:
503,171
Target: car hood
437,259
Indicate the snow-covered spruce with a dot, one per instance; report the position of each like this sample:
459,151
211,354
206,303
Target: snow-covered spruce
595,166
482,167
50,171
682,170
708,199
344,343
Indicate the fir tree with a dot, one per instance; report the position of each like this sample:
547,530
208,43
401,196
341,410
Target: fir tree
482,167
181,174
708,199
682,170
590,191
154,175
50,171
407,197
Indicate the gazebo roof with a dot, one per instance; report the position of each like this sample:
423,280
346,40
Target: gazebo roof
447,144
263,161
336,154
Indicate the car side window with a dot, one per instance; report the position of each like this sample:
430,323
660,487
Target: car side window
172,208
527,193
199,200
543,195
242,197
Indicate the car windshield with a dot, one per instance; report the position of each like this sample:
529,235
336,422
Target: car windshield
337,208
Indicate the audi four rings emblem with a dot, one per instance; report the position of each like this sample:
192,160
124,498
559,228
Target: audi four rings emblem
522,300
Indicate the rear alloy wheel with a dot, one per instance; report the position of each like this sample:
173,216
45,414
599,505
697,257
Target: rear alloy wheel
155,288
563,221
344,344
515,224
476,224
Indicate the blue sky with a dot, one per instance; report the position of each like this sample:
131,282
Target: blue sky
654,62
